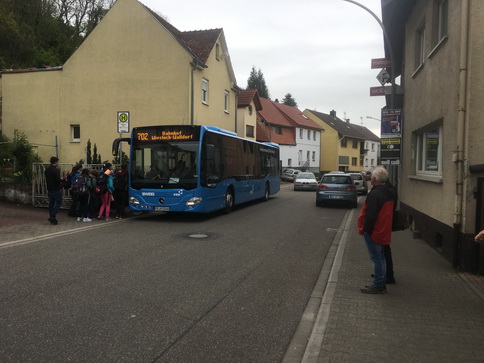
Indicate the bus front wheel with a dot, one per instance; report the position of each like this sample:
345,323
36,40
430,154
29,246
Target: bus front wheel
267,192
229,200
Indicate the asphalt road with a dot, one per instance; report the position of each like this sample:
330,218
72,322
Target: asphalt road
146,290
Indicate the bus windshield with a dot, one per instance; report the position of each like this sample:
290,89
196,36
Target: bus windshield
165,165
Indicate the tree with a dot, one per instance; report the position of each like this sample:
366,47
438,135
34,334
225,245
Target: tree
24,156
289,100
96,159
88,152
256,81
43,33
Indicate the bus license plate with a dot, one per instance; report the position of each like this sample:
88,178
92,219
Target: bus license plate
162,209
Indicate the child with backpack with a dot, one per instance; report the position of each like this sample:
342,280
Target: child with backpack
82,187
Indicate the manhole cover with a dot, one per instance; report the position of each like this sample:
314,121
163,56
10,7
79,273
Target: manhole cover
198,235
201,236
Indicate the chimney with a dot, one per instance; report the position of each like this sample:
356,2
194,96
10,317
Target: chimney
332,113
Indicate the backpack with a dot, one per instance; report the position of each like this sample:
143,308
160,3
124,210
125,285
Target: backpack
80,186
66,182
121,182
102,184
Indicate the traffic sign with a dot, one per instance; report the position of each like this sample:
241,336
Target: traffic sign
383,77
123,121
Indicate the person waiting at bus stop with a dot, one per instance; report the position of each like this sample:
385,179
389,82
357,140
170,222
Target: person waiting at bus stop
54,189
375,224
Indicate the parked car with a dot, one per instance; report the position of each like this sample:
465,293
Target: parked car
360,183
336,188
289,175
305,181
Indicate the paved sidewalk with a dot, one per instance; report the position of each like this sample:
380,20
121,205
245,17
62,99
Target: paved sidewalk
24,222
432,314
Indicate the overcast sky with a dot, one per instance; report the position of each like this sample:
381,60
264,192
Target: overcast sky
320,51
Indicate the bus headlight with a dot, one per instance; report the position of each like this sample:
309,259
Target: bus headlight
194,201
133,200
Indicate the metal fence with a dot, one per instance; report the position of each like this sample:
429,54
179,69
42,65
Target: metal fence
39,185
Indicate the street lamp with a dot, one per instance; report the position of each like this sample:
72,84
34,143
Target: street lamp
387,40
377,119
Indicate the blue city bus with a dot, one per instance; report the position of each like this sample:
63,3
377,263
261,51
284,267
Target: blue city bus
186,168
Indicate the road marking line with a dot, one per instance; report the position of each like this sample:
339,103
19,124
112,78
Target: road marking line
51,235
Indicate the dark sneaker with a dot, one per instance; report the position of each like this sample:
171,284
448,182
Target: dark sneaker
53,221
373,290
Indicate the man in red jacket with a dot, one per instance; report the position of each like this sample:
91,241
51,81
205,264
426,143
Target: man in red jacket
375,224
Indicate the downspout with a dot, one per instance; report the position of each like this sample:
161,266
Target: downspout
461,126
195,65
237,90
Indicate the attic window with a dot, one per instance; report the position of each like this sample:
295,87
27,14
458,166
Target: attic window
217,51
303,115
250,109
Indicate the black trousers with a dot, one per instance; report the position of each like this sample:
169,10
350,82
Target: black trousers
387,251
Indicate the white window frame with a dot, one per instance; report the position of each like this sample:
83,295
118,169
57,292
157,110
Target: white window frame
73,133
422,165
226,101
309,134
301,133
420,47
205,91
443,19
289,162
314,135
314,156
249,131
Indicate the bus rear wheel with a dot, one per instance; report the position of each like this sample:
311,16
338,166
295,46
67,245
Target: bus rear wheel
229,201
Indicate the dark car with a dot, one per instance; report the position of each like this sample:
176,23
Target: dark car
336,188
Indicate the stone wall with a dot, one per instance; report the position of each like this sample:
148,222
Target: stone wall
20,193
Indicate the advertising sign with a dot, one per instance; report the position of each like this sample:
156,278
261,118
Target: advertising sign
377,91
391,136
380,63
391,125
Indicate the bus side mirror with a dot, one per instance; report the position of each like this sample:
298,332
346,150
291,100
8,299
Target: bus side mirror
116,143
212,181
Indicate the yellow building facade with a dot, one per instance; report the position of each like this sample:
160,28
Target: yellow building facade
341,142
133,61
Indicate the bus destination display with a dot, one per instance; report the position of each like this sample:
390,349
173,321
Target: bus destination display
154,134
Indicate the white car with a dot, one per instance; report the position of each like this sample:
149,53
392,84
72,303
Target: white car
305,181
360,183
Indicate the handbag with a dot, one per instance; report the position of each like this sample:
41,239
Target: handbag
400,220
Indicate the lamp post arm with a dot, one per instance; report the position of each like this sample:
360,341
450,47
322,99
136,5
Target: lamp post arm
387,40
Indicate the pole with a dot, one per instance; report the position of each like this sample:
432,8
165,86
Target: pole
120,150
387,40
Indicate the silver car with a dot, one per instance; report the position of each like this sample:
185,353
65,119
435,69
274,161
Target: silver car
360,183
289,175
305,181
336,188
